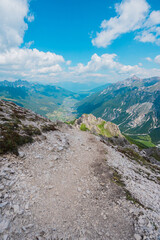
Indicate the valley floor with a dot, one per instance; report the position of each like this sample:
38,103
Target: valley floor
62,187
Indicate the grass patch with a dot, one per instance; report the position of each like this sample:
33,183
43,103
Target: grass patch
30,130
142,141
83,127
156,154
132,199
71,122
11,139
118,180
18,114
49,127
104,131
130,153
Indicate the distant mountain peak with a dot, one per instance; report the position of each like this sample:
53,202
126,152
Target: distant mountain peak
135,77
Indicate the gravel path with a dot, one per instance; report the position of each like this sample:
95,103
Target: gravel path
61,187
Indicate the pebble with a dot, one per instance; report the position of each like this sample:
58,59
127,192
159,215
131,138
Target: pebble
137,237
11,183
104,217
21,154
3,204
27,206
29,226
1,187
59,149
16,209
79,189
51,165
5,237
25,228
4,224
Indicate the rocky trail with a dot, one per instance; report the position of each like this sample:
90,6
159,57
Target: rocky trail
62,187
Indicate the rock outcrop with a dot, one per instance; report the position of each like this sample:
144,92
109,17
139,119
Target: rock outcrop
97,125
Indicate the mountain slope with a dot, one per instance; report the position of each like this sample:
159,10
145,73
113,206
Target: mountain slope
19,126
133,104
71,184
42,99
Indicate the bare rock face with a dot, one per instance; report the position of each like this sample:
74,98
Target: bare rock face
113,129
97,125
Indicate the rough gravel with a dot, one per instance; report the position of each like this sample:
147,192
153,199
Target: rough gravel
61,187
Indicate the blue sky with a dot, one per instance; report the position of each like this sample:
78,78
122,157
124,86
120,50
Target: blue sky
59,40
65,27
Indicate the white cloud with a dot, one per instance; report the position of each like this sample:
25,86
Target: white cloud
29,63
132,16
29,44
14,15
35,65
153,19
103,62
108,65
151,29
68,62
157,59
15,61
52,69
146,36
148,59
30,17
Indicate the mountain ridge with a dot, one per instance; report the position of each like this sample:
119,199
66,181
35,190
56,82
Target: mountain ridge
132,104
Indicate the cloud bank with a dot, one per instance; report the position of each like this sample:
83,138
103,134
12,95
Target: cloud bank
108,65
29,63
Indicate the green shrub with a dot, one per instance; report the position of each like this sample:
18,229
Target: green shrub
83,127
71,122
11,139
30,130
129,152
104,131
49,127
